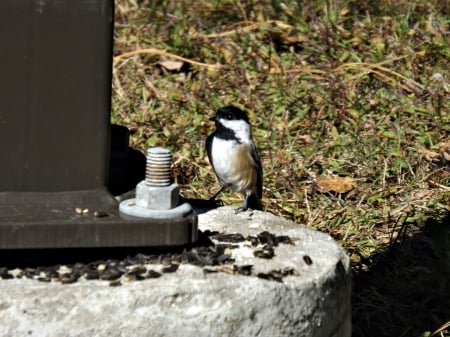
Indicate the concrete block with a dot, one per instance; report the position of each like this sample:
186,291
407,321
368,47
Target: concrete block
313,300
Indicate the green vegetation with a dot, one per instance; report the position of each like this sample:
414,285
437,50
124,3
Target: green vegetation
349,102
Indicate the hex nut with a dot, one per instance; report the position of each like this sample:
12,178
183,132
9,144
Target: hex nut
157,198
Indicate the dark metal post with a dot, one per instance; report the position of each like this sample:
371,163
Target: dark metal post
55,63
55,89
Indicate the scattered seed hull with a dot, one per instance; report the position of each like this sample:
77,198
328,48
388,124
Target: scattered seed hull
215,256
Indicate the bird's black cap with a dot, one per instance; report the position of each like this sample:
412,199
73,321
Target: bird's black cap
230,112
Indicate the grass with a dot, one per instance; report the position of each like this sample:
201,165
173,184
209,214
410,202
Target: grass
338,92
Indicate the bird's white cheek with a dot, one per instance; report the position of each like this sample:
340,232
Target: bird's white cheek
241,129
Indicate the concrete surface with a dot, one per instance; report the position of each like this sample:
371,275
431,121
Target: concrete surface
313,301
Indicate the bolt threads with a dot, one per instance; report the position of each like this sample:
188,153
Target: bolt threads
158,171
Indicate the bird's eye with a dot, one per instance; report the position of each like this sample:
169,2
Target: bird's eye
229,116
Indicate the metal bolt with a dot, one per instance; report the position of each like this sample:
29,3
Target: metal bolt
156,196
158,170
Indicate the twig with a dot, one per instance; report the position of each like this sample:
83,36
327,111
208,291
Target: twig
439,185
383,72
307,206
154,51
250,26
441,329
118,86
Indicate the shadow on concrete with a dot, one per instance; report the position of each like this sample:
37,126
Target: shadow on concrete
33,258
202,206
406,289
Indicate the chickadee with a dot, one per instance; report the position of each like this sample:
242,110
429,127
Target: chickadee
233,156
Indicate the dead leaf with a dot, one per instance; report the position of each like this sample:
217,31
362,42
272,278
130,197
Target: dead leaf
444,149
421,194
335,184
171,65
442,156
283,32
430,156
307,139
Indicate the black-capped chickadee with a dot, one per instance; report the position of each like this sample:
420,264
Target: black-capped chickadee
233,156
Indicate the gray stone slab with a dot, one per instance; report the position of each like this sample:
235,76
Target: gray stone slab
313,301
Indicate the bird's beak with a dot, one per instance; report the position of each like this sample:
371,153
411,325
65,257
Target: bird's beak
213,118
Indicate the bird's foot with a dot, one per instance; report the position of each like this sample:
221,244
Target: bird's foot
243,208
240,210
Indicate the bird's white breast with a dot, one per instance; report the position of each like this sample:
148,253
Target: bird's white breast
233,164
224,152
